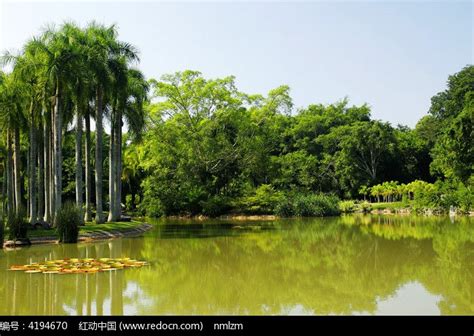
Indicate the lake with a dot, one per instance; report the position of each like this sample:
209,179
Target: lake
344,265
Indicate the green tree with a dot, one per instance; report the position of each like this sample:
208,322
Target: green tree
364,149
453,154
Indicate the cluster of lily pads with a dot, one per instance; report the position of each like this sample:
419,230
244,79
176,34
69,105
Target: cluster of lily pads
76,265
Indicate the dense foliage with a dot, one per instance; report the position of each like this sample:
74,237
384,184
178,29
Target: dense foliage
17,226
67,222
308,205
212,149
2,232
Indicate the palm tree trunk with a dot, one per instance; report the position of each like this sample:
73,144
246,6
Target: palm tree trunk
51,170
79,160
40,154
98,156
47,168
87,154
4,190
118,159
28,172
10,188
32,166
17,169
112,164
57,151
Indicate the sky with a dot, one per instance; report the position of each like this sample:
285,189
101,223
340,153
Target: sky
393,56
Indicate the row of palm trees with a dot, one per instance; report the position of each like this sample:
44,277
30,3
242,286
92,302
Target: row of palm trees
391,191
65,77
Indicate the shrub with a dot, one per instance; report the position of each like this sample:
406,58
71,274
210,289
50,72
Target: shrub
2,231
153,208
67,222
443,195
347,206
129,202
215,205
285,208
17,226
465,198
311,205
365,206
263,201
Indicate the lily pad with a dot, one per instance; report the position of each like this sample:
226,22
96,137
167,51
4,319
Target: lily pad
76,265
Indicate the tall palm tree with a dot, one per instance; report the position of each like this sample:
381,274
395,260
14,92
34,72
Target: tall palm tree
26,72
87,159
129,91
98,41
12,105
58,54
80,89
104,49
118,69
131,109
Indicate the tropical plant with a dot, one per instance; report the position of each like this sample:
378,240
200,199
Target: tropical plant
17,225
67,222
301,205
347,206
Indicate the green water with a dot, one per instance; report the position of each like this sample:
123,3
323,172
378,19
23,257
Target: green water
347,265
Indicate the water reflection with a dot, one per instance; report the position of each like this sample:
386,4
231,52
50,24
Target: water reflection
347,265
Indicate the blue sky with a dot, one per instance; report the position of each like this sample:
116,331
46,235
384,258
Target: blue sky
392,55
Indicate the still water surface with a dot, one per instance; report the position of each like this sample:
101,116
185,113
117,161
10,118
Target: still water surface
348,265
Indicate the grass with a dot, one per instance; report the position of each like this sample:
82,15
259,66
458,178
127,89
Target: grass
90,227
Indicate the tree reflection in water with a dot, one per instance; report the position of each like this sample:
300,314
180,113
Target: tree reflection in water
341,265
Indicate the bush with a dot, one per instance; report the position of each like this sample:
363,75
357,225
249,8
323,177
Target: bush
263,201
347,206
312,205
17,226
215,205
2,232
365,206
132,204
443,195
153,208
67,222
129,202
285,208
465,198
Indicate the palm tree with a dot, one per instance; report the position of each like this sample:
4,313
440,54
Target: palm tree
134,114
129,104
12,102
58,54
118,70
104,49
26,72
80,88
99,39
87,159
363,190
57,80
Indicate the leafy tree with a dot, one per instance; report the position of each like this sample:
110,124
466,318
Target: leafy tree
453,154
454,151
365,148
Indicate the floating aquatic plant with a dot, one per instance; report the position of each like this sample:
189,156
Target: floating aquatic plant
76,265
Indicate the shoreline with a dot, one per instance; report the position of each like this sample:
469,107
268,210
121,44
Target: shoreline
381,211
99,235
89,236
